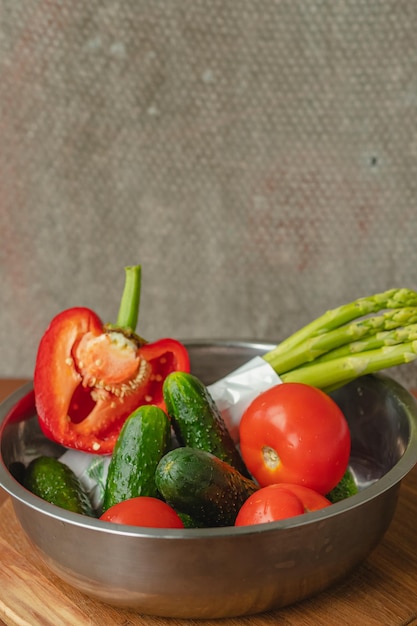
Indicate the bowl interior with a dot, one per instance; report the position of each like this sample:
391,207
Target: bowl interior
380,412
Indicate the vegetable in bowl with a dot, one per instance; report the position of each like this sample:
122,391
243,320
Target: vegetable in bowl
90,376
99,367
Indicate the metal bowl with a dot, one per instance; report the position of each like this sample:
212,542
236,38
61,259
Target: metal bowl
223,572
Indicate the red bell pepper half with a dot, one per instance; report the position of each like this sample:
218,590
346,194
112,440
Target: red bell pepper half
89,377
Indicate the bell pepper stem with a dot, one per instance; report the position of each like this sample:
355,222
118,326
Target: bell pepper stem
129,305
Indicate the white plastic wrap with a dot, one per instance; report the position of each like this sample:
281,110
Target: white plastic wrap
91,469
235,392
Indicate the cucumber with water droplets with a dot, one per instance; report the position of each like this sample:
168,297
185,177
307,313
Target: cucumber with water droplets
203,487
196,419
55,482
143,440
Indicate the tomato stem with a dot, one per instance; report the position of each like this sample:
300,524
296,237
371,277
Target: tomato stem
270,457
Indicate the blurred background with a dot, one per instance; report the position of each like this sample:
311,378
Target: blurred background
257,158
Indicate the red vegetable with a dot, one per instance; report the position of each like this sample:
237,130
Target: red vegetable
279,501
143,511
311,500
295,433
89,377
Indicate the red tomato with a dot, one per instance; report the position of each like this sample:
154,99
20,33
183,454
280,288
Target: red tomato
269,505
295,433
279,501
311,500
143,511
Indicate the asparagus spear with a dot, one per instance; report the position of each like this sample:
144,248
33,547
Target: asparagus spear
338,346
387,338
339,371
314,347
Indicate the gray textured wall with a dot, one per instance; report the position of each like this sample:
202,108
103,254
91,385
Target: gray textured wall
258,158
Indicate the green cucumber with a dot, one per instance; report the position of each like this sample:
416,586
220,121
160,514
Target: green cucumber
196,419
344,489
143,440
188,521
55,482
202,486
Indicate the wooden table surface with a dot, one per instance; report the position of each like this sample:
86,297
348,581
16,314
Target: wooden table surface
382,591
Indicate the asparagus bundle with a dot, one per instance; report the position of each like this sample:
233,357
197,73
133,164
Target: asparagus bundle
349,341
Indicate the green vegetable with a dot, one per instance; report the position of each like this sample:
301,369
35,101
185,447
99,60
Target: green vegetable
344,489
196,419
200,485
56,483
189,522
128,315
338,346
142,442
